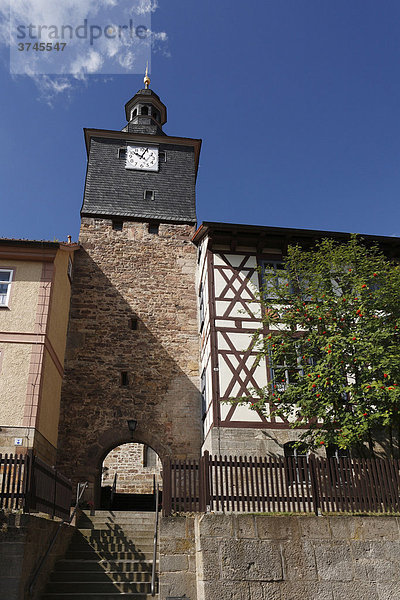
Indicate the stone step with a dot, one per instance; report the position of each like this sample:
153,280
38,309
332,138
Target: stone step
136,519
98,596
140,554
115,513
90,523
116,527
110,548
137,544
116,545
109,557
111,536
91,587
118,516
107,532
122,566
102,576
112,539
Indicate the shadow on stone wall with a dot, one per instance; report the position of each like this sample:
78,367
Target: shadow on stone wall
159,357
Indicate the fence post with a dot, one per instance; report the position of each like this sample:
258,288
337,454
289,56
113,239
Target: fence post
206,480
167,488
314,484
54,494
202,506
204,495
28,481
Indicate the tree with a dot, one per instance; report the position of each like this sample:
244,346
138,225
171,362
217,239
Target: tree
331,324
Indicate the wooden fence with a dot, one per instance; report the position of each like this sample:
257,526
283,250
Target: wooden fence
28,483
277,484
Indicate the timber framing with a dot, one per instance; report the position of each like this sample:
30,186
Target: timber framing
234,254
265,239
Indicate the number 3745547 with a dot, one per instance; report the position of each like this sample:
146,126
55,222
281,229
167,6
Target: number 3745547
42,46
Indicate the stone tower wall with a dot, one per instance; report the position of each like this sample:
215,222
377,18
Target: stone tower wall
119,276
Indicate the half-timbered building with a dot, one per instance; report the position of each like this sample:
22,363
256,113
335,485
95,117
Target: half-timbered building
231,259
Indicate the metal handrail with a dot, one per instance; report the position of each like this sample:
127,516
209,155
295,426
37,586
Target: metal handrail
81,487
113,490
153,568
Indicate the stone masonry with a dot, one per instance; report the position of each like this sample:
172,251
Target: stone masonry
24,540
132,349
258,557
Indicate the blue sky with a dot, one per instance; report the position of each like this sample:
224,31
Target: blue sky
297,103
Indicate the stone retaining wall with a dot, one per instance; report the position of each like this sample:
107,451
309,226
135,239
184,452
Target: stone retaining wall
24,539
248,557
177,558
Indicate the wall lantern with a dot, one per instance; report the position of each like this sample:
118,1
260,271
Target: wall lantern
132,425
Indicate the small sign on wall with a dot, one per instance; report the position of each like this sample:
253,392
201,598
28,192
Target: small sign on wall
17,441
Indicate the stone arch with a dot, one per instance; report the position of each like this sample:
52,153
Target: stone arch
109,440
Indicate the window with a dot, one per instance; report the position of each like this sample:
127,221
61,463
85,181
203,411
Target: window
122,153
69,269
124,379
154,228
144,110
117,225
134,113
296,467
149,457
133,323
5,286
340,475
273,276
203,389
201,306
162,156
149,194
287,373
333,451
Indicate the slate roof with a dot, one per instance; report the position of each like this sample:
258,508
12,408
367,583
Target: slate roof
114,191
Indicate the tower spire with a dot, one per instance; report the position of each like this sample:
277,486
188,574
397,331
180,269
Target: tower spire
146,77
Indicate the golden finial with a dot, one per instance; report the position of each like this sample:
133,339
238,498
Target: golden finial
146,77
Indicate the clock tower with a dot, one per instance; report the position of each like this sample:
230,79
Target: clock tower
140,172
132,349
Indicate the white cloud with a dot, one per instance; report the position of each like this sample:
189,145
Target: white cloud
146,6
127,60
54,72
88,64
49,87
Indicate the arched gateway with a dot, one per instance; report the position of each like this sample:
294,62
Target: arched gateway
132,348
131,477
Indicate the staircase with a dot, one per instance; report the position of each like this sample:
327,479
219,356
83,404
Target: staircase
110,557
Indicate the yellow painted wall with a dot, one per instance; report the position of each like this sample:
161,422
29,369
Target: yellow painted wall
21,312
14,370
49,412
20,317
59,306
57,332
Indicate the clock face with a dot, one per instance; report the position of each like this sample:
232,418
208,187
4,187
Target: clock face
143,158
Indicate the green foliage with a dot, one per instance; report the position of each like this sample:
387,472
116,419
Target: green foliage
331,336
